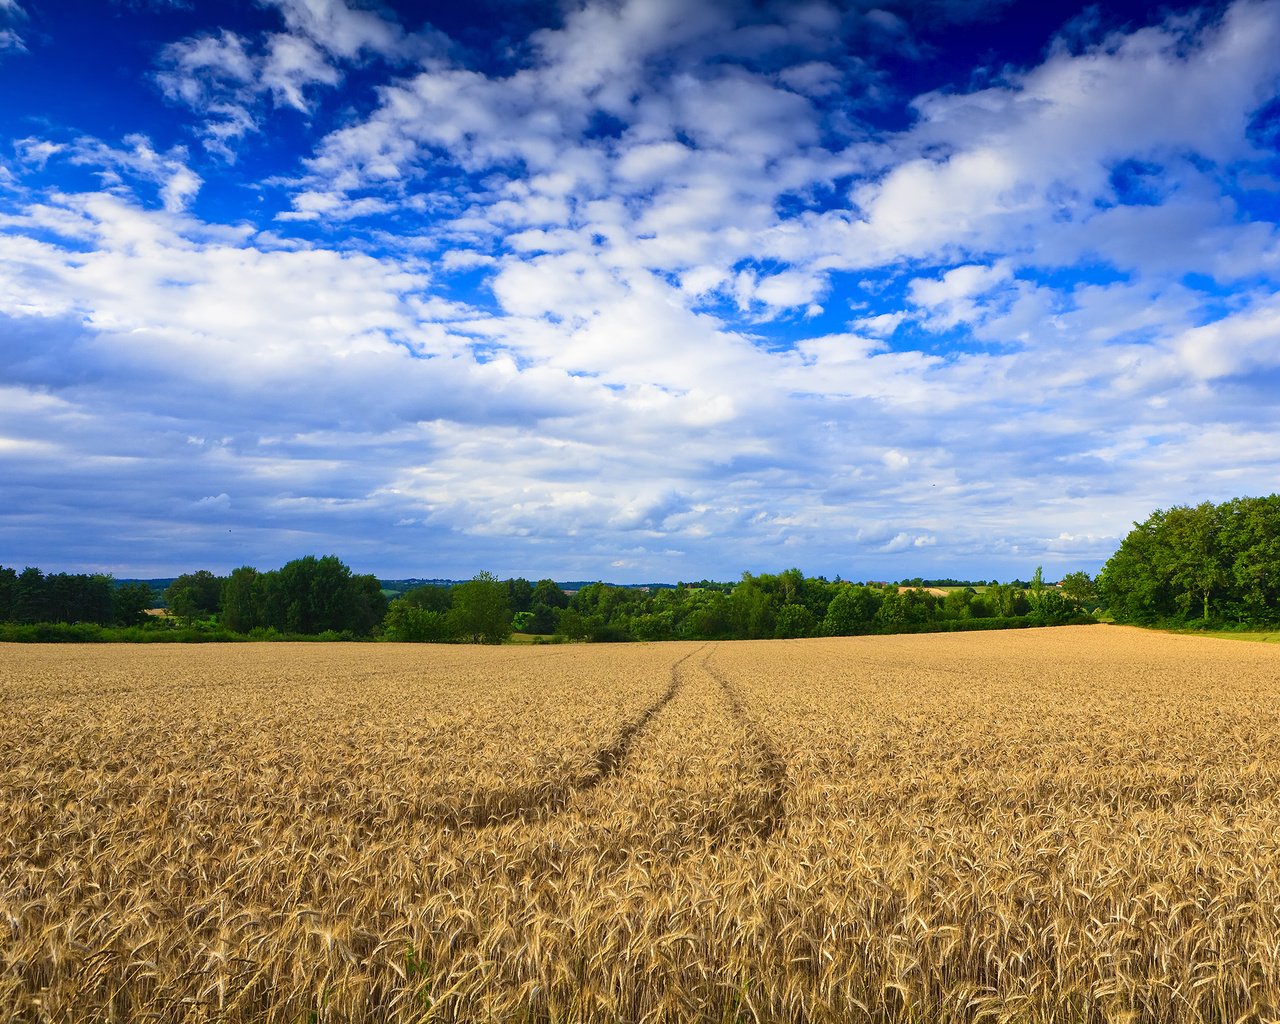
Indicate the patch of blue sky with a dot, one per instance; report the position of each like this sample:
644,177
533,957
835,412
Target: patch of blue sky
1137,183
1064,280
1218,300
1255,195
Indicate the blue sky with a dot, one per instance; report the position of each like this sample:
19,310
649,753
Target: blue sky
634,290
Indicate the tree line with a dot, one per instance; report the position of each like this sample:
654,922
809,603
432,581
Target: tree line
766,606
1205,564
321,596
30,596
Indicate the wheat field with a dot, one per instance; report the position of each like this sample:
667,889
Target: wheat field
1070,825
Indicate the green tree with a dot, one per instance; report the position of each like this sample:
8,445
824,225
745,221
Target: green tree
1079,588
77,597
1007,600
548,592
243,600
1255,556
851,611
8,594
367,605
30,601
1052,609
130,602
411,623
753,610
1198,566
194,595
542,619
431,596
480,611
706,616
309,595
958,604
653,626
904,609
519,595
1205,561
1134,584
794,620
572,624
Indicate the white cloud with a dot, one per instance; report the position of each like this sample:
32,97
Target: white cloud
290,65
1003,167
178,185
895,460
633,383
223,76
1236,344
10,40
332,207
957,296
344,31
36,152
906,541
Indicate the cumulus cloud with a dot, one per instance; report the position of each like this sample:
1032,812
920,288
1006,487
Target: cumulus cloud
176,183
648,295
225,77
344,31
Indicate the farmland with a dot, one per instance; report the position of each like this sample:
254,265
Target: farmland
1077,824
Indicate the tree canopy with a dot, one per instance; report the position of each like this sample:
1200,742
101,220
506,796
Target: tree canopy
321,596
1206,563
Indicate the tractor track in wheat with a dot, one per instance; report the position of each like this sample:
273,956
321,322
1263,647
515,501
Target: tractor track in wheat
528,804
770,806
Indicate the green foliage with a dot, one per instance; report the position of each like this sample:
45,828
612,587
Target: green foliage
412,623
548,592
1006,600
783,605
320,598
130,602
32,597
431,597
194,595
519,595
1050,608
88,632
243,600
542,619
8,594
794,620
905,610
1207,563
852,610
1078,588
307,597
480,612
753,611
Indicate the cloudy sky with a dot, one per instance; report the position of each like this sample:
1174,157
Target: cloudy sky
631,289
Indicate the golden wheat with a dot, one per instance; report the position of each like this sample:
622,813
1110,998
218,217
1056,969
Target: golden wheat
1079,824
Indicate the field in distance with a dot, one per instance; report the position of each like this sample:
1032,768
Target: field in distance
1075,824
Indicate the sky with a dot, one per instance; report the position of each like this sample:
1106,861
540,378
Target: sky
637,290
